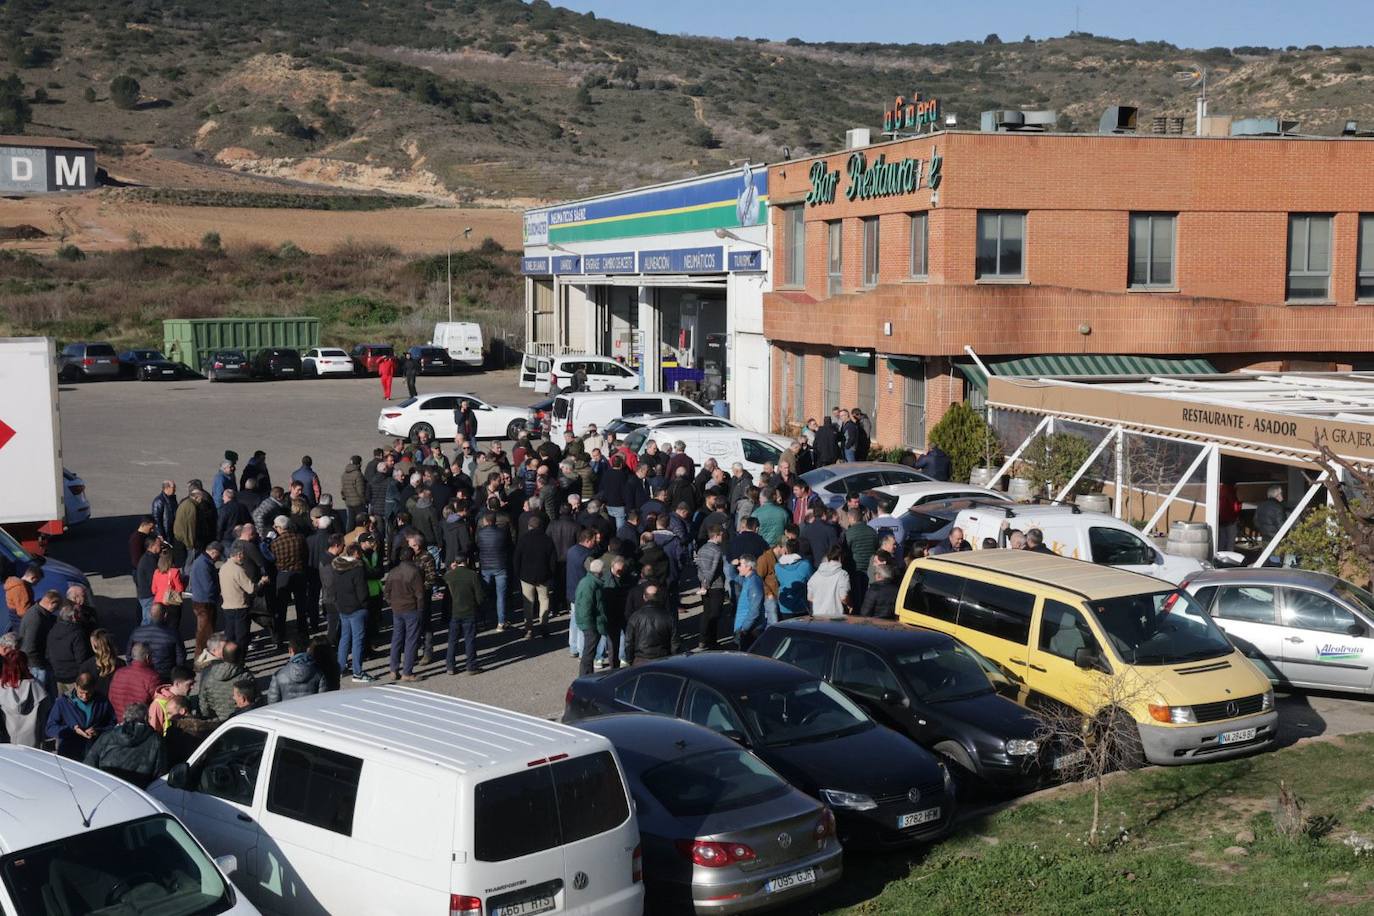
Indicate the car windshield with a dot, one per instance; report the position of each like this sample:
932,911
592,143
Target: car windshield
938,674
635,440
1159,628
11,548
149,354
150,866
722,780
818,476
620,426
809,711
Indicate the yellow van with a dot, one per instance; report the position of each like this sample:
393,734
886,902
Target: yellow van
1102,641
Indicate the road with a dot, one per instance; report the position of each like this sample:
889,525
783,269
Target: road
124,438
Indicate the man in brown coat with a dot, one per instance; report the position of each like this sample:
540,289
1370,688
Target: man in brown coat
405,592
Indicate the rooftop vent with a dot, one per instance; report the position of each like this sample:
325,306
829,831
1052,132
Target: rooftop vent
1166,124
1118,119
1263,127
1021,121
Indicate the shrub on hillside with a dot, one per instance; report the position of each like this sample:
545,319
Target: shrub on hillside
125,91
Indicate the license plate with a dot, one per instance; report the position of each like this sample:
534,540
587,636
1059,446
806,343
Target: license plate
917,818
796,879
526,907
1237,737
1067,760
285,371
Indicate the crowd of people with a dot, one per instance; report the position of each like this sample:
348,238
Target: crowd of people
419,544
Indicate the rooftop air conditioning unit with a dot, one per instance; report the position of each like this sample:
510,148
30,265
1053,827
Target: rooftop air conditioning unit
1262,127
1118,119
857,137
994,121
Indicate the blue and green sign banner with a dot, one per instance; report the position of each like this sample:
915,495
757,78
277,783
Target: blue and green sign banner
567,264
744,261
534,266
683,261
619,262
735,200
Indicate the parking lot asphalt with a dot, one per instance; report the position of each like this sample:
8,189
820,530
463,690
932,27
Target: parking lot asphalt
125,438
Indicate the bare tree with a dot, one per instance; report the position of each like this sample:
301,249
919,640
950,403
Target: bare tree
1349,486
1087,747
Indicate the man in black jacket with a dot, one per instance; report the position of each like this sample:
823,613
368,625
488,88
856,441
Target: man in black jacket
651,632
132,751
164,510
827,444
535,563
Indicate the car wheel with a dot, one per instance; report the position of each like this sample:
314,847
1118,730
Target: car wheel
960,765
513,431
421,428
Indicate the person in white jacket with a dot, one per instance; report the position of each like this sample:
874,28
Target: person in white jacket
828,588
23,701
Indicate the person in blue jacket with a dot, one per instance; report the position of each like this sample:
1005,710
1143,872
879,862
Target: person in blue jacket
749,608
793,571
76,720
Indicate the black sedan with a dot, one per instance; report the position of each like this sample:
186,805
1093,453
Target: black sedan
885,790
924,684
225,365
721,832
277,362
432,360
147,366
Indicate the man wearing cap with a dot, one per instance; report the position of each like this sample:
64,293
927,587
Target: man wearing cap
288,550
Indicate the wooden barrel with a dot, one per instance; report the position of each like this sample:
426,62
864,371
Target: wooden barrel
1094,502
1189,539
979,477
1020,490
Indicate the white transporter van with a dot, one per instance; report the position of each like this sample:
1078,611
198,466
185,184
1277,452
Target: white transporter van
462,340
577,410
1069,532
726,445
551,374
393,801
74,840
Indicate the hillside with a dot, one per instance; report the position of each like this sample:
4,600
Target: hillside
501,101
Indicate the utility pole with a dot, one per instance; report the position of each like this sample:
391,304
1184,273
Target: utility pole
466,232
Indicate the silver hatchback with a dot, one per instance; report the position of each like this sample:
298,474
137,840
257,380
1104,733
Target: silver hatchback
1302,628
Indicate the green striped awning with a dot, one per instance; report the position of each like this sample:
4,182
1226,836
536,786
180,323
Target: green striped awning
1086,364
906,365
859,359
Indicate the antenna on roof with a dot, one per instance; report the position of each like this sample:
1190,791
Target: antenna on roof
85,818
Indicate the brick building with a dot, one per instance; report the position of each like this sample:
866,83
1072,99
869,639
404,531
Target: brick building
1061,254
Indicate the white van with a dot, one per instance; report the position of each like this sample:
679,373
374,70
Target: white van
462,340
1070,532
76,840
551,374
393,801
576,410
726,445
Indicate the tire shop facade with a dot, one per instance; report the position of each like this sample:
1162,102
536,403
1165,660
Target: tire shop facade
669,279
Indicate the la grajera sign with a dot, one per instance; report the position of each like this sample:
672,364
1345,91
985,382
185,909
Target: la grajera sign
866,181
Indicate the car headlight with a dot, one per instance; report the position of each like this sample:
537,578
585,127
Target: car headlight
854,801
1022,747
1268,700
1174,715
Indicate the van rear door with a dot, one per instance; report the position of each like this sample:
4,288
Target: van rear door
543,372
529,370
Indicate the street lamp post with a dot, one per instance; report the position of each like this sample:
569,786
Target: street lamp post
467,230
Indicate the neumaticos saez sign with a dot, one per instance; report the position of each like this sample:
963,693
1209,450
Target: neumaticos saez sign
865,181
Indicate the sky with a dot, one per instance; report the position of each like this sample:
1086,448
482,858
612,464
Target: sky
1186,23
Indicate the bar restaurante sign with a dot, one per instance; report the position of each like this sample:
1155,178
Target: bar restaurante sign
866,182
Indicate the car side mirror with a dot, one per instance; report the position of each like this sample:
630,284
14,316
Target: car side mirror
1356,629
736,736
1084,658
892,698
227,864
179,776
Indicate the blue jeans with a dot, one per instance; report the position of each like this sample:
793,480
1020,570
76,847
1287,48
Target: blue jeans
147,605
405,635
770,610
499,577
849,454
467,629
617,513
352,628
44,677
574,634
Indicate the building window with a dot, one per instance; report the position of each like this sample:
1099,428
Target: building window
914,410
1001,240
1309,256
830,396
871,251
1152,249
834,257
920,244
794,244
1364,284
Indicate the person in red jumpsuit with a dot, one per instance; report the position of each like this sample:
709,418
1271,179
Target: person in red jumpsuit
386,369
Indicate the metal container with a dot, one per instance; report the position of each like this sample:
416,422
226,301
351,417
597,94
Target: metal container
979,477
1020,490
1189,539
192,340
1094,502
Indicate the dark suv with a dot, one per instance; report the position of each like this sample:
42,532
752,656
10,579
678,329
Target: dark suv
432,360
277,362
87,362
367,356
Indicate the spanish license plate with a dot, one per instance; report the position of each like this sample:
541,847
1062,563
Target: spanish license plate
1072,758
917,818
526,907
1237,737
796,879
286,371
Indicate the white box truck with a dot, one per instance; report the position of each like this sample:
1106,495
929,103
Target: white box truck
30,439
462,340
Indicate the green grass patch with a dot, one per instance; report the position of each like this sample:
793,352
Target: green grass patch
262,200
1171,830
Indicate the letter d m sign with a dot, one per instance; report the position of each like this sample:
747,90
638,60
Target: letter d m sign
72,171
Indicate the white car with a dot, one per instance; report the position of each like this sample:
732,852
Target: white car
551,374
434,413
896,498
322,361
77,507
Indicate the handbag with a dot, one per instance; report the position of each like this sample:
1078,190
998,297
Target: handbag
172,597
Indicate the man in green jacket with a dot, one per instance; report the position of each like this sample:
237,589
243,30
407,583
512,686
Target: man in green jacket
466,597
860,543
771,515
589,603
